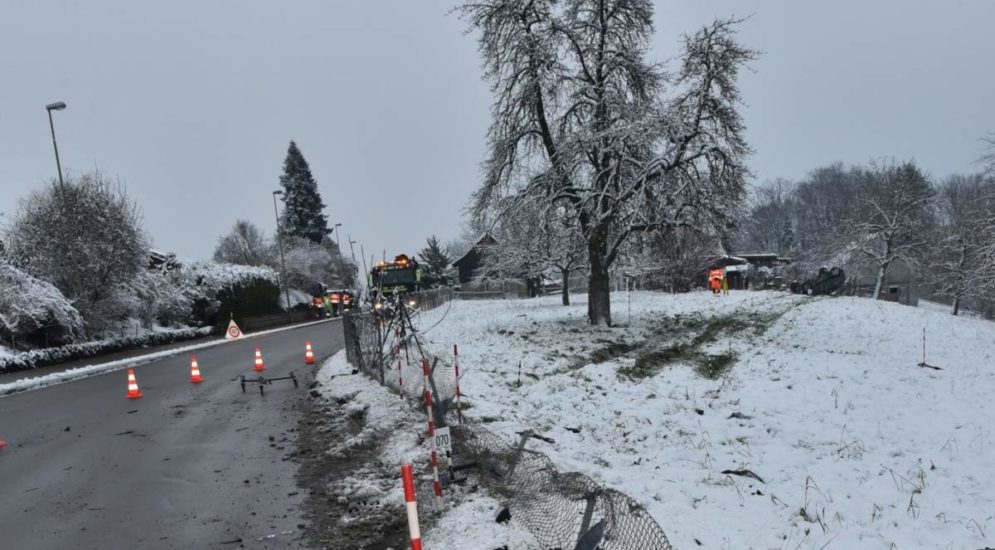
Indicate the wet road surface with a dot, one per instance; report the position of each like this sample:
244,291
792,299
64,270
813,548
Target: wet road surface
186,466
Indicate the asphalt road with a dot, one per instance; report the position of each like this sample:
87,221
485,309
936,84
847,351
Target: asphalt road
186,466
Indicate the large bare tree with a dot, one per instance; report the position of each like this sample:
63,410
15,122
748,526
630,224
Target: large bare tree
960,263
581,118
893,220
988,157
244,245
532,239
768,226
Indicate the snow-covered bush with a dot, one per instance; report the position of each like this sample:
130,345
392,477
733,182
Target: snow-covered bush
34,312
159,298
309,264
85,238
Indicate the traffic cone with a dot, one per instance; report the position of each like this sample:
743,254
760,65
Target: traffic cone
308,354
195,377
260,367
133,392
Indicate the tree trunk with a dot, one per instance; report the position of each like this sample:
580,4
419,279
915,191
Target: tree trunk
599,283
565,291
882,271
960,272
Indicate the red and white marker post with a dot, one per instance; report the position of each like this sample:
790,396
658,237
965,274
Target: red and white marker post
412,506
436,485
459,411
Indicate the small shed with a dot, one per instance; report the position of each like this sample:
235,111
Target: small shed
899,286
468,264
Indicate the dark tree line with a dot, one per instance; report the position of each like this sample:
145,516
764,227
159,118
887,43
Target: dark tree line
870,217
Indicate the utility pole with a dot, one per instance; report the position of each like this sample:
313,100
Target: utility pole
366,271
338,242
283,263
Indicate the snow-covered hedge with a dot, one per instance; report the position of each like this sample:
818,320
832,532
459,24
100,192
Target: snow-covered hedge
41,357
214,277
220,290
35,311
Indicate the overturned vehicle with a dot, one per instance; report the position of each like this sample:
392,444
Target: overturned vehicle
828,281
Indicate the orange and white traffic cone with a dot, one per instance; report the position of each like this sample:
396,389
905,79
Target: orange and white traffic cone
195,377
308,354
260,367
133,392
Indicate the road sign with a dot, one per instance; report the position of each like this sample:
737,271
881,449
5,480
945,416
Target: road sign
233,331
443,441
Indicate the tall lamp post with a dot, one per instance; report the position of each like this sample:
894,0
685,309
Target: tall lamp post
352,250
57,106
283,262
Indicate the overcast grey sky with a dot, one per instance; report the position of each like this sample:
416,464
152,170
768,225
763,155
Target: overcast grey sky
192,104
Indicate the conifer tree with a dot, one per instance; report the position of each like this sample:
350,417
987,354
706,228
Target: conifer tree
435,262
303,213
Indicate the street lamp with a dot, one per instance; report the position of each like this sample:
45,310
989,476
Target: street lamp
338,243
283,262
57,106
352,250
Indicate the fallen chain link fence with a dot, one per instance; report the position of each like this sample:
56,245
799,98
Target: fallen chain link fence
568,511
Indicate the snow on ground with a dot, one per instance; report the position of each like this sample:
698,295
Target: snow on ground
464,522
857,447
470,525
5,353
947,308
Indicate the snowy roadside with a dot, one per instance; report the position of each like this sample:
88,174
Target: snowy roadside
69,375
463,519
821,399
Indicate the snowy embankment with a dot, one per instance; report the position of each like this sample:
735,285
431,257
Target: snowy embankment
821,399
399,429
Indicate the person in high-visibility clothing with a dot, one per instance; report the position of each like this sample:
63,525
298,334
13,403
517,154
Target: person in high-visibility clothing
725,286
715,280
336,299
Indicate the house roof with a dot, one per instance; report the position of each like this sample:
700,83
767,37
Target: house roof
485,240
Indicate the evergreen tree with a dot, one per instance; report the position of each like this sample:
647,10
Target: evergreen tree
303,213
434,262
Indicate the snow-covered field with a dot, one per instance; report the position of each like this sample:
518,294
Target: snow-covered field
856,445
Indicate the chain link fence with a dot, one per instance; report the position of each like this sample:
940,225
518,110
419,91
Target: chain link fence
568,511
